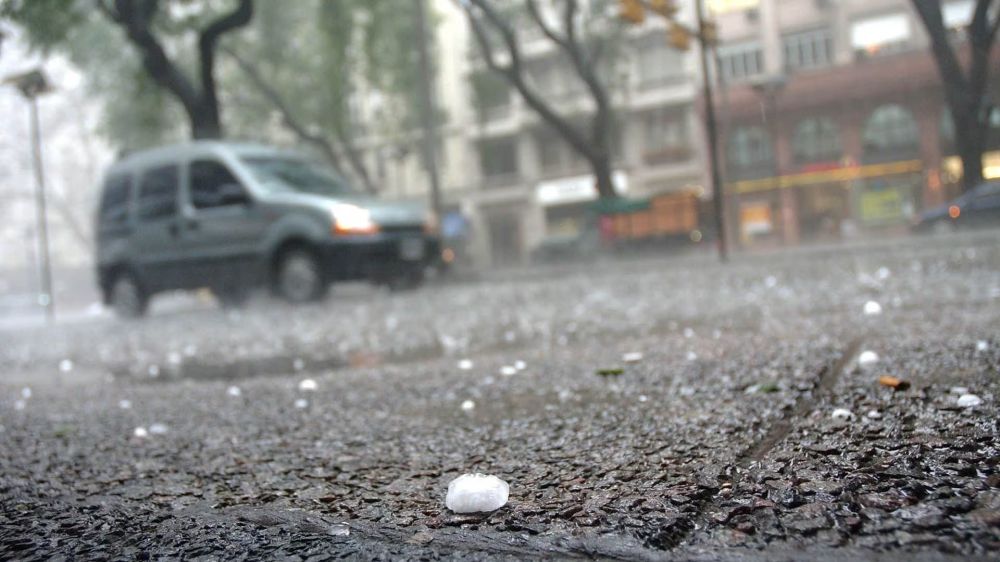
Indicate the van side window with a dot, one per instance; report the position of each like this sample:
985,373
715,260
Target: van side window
158,193
207,179
114,201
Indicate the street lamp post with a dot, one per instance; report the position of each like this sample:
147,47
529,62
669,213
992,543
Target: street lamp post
31,85
427,113
710,130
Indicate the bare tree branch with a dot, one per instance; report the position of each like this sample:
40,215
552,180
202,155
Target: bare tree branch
287,115
515,73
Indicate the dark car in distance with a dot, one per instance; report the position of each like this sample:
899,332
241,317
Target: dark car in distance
977,208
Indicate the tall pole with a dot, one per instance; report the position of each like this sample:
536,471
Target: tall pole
41,215
710,129
428,115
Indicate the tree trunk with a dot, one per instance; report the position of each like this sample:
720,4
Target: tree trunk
970,149
205,124
601,165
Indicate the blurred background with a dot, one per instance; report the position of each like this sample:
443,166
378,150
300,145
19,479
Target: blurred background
547,137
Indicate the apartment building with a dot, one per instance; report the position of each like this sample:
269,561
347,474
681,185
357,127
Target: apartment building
512,177
833,117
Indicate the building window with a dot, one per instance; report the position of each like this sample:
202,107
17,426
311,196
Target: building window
890,128
555,77
808,49
880,35
740,61
816,139
491,95
749,147
659,65
666,136
498,158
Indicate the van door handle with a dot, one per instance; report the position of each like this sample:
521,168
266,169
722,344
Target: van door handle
173,229
192,224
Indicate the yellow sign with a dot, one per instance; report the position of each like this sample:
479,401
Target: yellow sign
755,218
825,176
882,204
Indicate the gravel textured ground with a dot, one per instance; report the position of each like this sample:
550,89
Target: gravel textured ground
720,442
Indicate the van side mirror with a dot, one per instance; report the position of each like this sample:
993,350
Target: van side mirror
233,194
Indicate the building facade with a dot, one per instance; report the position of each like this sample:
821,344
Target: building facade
834,119
513,178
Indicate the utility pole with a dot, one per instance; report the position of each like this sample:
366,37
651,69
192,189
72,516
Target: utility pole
679,37
31,85
428,115
713,143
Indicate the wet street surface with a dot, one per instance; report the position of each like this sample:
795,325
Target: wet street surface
642,410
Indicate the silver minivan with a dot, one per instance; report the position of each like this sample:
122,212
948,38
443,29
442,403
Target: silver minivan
232,216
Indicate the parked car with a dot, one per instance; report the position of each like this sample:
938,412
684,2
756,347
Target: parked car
976,208
231,217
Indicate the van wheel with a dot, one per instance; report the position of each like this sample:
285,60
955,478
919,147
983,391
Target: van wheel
299,277
127,298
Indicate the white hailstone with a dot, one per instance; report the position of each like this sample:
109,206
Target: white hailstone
969,401
473,493
867,359
958,390
26,392
140,432
234,391
716,334
509,336
465,364
771,281
158,429
298,364
20,405
301,403
688,333
340,530
174,358
520,365
508,370
691,356
307,385
841,414
872,308
190,349
883,273
468,405
874,414
65,366
125,404
632,357
154,371
643,398
981,345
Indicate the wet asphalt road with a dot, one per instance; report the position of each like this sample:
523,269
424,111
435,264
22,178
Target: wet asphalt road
719,443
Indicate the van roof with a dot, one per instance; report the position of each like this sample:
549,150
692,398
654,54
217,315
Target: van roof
193,148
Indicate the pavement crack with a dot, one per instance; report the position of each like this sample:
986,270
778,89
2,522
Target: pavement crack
825,382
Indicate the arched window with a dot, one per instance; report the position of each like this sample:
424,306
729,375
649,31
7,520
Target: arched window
816,139
891,128
749,147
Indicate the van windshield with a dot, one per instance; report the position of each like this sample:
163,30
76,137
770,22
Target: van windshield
285,174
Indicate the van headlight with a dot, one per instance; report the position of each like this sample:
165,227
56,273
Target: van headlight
351,219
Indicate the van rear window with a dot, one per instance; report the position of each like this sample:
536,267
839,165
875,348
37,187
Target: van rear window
158,193
114,201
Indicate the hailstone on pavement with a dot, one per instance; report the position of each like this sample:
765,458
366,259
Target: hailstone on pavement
472,493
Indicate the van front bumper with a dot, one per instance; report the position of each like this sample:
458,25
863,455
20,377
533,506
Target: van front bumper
380,257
